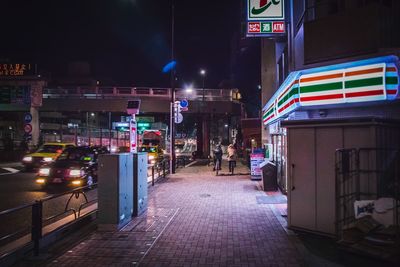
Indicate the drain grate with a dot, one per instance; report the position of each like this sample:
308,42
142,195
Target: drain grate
205,195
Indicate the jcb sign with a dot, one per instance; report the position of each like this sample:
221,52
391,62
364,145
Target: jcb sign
265,17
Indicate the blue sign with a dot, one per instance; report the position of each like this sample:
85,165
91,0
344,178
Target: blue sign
27,117
169,67
184,103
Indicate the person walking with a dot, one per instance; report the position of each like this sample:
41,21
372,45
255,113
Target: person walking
232,155
217,156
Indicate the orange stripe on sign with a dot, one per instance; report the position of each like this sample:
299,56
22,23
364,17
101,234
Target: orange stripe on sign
360,72
390,69
322,77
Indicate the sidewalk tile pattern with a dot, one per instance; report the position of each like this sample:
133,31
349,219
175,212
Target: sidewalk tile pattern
194,219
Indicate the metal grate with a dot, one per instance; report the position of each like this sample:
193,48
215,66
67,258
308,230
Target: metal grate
365,174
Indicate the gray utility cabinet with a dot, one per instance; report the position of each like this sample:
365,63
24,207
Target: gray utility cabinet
139,183
115,190
311,155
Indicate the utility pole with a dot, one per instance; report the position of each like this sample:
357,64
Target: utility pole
172,119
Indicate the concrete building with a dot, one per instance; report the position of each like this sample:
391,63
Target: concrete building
330,86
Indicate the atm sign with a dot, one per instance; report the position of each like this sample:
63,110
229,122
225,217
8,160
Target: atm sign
278,27
262,28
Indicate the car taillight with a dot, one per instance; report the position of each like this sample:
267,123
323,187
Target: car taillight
59,151
75,173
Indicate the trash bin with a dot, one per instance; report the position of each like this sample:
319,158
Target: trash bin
269,176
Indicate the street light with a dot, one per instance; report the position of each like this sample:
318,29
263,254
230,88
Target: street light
189,89
203,75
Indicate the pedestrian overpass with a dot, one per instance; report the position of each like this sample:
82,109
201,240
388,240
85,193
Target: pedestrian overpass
153,100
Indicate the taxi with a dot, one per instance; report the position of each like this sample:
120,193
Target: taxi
154,153
47,153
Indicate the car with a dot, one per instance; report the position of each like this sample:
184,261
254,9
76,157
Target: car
154,153
48,152
75,167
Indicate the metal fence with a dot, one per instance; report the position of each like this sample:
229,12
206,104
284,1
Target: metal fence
28,224
366,174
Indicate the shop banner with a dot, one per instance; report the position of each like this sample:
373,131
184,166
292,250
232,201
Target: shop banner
255,160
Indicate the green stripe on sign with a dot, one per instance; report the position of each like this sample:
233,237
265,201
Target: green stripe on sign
364,82
292,92
392,80
269,112
321,87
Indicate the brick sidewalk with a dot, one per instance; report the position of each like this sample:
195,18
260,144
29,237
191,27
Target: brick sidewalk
194,219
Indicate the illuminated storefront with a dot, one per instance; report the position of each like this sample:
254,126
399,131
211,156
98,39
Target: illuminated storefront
319,110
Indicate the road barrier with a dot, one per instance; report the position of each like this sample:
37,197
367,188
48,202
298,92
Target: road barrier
33,222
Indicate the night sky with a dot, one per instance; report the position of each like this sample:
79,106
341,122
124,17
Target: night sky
127,42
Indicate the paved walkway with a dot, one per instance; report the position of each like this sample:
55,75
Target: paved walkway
194,219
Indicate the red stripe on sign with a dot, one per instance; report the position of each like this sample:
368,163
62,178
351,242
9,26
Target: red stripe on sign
365,93
270,117
391,69
321,97
287,88
287,105
391,92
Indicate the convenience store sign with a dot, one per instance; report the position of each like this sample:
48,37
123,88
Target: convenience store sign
265,18
369,80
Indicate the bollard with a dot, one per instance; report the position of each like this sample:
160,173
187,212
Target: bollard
36,231
152,175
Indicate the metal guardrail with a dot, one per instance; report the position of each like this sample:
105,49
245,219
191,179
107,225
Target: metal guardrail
38,221
122,92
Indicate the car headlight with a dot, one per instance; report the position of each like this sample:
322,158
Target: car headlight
151,157
75,173
44,171
47,159
27,159
76,182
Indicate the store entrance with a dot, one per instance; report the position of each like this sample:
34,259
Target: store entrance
279,152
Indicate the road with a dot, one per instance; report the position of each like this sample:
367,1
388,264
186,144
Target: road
19,188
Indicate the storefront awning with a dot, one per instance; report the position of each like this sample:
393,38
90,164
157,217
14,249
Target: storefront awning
370,80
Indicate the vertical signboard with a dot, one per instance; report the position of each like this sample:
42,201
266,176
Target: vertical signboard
265,18
133,135
256,158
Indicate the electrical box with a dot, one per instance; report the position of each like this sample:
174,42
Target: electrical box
139,183
115,191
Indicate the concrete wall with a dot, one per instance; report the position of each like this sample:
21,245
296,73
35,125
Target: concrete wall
268,78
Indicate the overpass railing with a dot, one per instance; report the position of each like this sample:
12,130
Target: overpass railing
128,92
